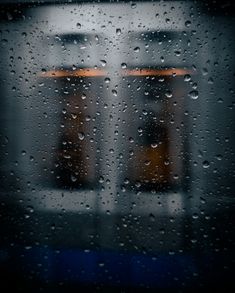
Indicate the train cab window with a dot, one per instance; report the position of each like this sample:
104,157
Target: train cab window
76,159
157,162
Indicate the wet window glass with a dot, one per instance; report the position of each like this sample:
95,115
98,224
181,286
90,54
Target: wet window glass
117,146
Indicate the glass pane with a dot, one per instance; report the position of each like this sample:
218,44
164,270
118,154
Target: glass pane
117,146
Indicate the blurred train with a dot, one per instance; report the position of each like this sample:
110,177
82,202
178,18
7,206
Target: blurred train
117,148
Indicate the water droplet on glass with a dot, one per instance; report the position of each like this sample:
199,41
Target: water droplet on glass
187,77
147,162
210,80
187,23
195,216
81,135
83,96
136,49
133,5
114,92
206,164
168,94
4,41
118,31
177,53
219,157
73,178
204,71
103,63
154,145
152,217
193,95
9,16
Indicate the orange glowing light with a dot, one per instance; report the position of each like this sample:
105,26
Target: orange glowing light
156,72
87,72
92,72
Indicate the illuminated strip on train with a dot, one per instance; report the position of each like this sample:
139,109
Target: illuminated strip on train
91,72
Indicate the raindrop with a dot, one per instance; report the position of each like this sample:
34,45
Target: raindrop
114,92
206,164
152,217
187,77
136,49
67,156
166,162
103,63
147,162
9,16
210,80
74,116
28,247
133,5
154,145
168,94
118,31
30,209
73,178
195,216
81,135
219,157
177,53
204,71
187,23
83,96
193,95
4,41
126,181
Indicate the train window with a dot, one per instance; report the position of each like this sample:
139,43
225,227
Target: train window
155,160
116,146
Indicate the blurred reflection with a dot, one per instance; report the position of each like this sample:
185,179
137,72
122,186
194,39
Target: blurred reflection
76,156
150,164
